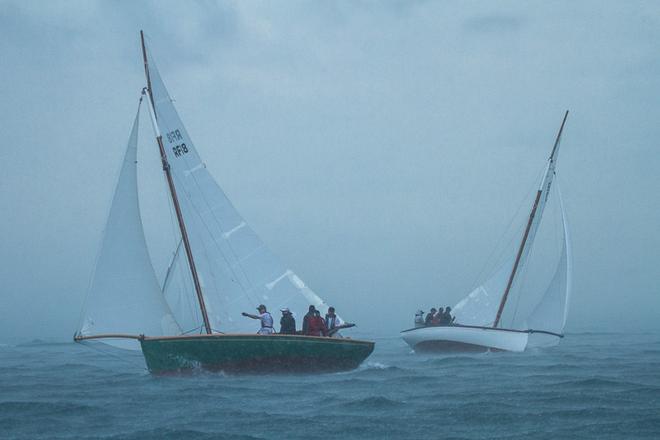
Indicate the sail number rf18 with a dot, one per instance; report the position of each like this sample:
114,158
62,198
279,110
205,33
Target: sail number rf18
174,136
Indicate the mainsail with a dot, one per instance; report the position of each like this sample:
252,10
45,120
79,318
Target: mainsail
124,295
235,268
551,312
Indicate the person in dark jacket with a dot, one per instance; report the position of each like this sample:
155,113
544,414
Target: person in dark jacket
447,319
308,316
287,323
429,317
437,319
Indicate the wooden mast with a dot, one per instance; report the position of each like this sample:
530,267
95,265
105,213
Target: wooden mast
529,226
175,199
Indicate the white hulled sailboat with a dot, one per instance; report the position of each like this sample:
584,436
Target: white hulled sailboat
479,315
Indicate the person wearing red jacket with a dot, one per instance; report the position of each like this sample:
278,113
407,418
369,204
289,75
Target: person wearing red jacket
316,325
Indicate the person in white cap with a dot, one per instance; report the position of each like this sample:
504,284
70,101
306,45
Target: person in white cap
419,318
287,323
265,318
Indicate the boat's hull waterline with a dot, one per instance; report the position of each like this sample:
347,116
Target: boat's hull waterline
464,339
239,353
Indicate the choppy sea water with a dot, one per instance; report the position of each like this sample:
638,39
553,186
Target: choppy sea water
593,386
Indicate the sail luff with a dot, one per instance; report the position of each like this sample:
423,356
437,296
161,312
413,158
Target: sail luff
173,194
534,218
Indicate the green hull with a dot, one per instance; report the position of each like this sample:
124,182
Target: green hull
253,353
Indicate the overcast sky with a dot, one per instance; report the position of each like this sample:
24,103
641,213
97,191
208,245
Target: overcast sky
380,148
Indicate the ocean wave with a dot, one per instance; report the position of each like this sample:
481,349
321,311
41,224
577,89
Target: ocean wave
373,365
596,383
372,402
171,433
18,408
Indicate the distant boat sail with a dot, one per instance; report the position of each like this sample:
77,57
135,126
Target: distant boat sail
479,314
221,268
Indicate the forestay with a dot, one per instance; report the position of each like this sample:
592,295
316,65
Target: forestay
124,295
236,270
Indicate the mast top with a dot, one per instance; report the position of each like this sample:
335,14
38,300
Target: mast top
561,129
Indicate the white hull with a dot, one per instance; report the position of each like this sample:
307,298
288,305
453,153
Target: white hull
462,338
541,340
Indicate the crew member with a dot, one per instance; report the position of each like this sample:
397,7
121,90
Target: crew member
447,319
265,318
437,318
429,317
287,323
419,318
308,316
332,321
316,326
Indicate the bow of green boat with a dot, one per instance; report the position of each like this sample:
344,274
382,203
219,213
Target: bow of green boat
249,353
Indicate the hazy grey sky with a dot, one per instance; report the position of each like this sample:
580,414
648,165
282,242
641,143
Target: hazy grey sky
380,148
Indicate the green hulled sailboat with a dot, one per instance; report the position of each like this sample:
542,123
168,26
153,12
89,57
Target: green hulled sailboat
220,268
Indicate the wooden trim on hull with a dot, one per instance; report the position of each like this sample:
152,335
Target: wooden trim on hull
79,337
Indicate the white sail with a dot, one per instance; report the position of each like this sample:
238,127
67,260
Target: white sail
179,292
551,312
236,270
481,305
124,295
544,189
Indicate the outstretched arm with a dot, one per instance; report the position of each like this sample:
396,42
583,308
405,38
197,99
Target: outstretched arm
250,316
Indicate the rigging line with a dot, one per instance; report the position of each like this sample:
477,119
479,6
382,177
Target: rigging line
205,251
217,221
525,272
175,237
187,295
215,241
203,244
184,295
501,238
105,226
193,330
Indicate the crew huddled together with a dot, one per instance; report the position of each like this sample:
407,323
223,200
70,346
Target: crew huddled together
313,324
434,317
